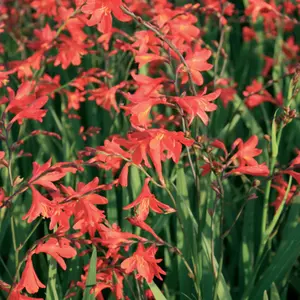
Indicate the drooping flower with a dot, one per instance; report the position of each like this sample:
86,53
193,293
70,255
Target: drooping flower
139,222
58,249
40,206
146,201
29,279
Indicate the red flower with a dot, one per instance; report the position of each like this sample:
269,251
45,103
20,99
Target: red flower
40,206
25,105
74,99
280,185
248,34
106,97
45,37
109,156
29,279
4,75
139,222
258,170
228,90
73,23
87,215
143,260
106,277
47,85
69,52
257,7
44,7
246,151
245,157
255,95
146,58
45,175
145,97
196,62
147,200
101,10
147,40
198,105
291,48
294,165
58,249
269,62
113,237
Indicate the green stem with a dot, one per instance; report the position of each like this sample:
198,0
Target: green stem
14,239
269,183
30,234
221,238
280,209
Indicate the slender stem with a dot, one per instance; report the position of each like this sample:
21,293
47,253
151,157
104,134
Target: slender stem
280,209
212,225
5,267
14,239
21,246
221,238
216,67
268,186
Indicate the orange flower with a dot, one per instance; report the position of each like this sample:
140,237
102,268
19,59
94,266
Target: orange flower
159,144
198,105
25,105
58,249
245,157
40,206
29,279
101,10
197,62
147,200
143,260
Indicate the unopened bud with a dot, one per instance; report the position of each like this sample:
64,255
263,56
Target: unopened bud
256,183
252,197
17,181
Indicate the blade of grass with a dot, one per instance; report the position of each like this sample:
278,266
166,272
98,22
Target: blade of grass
158,295
91,277
51,291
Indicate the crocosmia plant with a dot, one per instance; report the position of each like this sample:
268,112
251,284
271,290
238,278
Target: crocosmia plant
150,149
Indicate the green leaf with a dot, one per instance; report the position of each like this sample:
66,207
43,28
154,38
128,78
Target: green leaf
51,292
223,290
274,292
91,278
158,295
186,234
265,296
274,137
283,261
